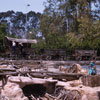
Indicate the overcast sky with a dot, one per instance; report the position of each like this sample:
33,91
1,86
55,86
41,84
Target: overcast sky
21,5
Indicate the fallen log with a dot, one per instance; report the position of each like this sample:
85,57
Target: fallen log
8,73
40,74
7,69
44,74
59,76
50,96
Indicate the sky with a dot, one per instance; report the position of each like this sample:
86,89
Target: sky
21,5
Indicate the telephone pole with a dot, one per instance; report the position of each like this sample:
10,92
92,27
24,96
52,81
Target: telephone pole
26,20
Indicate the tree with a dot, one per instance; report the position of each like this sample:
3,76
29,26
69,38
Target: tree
73,20
2,35
88,36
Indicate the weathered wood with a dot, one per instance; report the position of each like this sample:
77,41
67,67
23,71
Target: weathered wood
28,81
40,74
7,69
50,96
86,54
9,73
91,80
60,76
43,74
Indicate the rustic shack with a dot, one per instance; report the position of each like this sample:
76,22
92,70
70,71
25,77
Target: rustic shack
53,54
26,43
85,54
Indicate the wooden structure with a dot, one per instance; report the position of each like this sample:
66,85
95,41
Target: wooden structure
27,50
40,74
85,54
91,80
45,54
53,54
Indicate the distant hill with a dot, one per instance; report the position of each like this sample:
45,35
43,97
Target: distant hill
16,22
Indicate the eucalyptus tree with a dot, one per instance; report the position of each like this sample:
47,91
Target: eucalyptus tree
74,19
53,25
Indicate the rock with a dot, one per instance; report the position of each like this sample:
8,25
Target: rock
13,92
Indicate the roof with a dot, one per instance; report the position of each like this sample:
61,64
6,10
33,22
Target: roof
21,40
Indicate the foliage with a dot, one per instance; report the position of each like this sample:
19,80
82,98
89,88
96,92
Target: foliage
32,34
18,22
2,35
89,31
55,41
71,24
68,24
40,45
87,37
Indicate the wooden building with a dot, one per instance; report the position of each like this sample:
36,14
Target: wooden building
26,43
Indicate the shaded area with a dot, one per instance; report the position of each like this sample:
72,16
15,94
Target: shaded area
64,94
36,90
99,95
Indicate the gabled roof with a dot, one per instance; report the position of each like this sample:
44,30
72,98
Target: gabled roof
22,40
